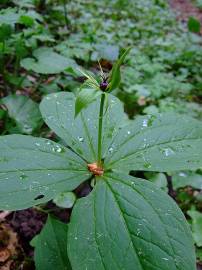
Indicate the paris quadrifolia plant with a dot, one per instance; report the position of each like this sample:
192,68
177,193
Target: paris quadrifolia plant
125,223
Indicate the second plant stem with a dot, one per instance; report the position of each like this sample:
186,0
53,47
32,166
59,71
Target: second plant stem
100,122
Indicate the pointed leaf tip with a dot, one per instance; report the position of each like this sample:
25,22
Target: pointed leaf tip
115,76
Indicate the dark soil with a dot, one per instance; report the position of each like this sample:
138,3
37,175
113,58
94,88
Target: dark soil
185,9
27,223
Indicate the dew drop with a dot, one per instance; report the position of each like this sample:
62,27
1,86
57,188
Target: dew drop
27,128
147,165
59,149
111,149
128,132
50,117
80,139
168,151
182,174
132,183
37,144
145,123
23,177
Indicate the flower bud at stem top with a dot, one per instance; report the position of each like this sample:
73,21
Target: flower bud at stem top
103,85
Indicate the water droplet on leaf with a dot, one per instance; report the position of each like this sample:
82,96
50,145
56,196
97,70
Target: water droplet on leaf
182,174
147,165
145,123
81,139
37,144
167,152
23,177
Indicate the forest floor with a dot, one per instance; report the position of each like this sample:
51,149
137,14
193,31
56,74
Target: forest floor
185,9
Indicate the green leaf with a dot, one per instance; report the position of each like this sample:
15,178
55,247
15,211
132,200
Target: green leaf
35,170
81,133
26,20
194,25
24,111
115,76
129,224
5,32
196,226
105,51
159,179
164,142
51,246
65,199
199,5
47,62
199,254
84,98
9,16
91,81
183,179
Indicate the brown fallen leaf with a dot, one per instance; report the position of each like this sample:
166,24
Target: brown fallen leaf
10,249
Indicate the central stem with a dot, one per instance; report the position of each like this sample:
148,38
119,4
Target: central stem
100,130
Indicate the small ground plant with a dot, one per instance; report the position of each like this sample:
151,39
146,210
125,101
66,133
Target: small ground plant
125,222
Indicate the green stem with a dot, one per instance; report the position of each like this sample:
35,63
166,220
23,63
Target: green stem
100,129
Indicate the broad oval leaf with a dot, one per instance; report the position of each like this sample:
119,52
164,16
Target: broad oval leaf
65,199
129,224
105,51
164,142
51,246
35,170
81,133
24,111
48,62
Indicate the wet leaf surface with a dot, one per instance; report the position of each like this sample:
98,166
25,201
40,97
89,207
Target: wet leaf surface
126,226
